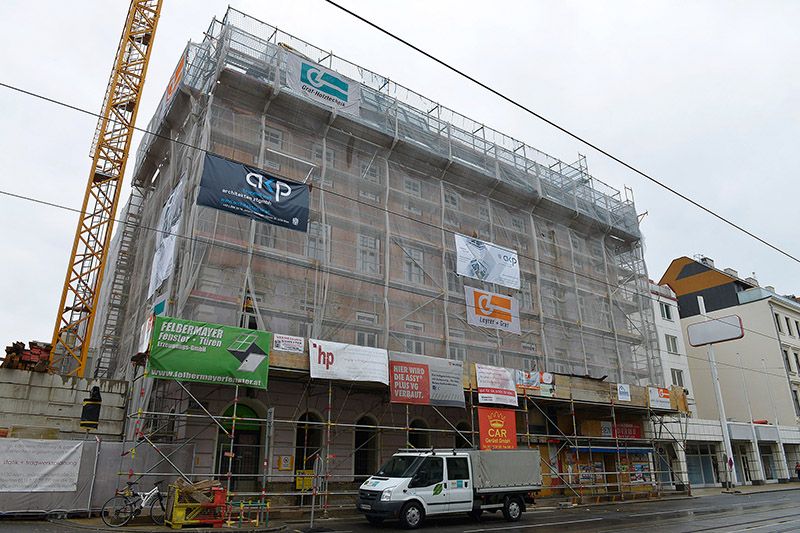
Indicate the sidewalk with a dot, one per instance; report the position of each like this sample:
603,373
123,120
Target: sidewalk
145,525
747,489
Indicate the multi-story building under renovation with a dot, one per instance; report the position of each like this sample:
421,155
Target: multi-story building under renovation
394,177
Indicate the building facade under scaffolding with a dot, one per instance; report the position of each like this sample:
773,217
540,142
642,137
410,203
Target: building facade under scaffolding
392,181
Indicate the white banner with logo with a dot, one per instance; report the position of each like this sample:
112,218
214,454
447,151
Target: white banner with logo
168,227
486,261
540,383
349,362
288,343
322,84
623,392
491,310
659,397
30,465
495,385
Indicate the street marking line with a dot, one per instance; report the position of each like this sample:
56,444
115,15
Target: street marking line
765,525
550,524
663,512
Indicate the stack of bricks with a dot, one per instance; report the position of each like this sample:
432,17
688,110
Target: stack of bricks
35,359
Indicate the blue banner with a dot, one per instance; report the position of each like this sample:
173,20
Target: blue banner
254,193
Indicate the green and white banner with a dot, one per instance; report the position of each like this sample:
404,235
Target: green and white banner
209,353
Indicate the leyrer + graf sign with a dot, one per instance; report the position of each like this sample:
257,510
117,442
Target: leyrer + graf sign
251,192
209,353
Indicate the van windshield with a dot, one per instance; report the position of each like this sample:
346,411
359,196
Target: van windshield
400,466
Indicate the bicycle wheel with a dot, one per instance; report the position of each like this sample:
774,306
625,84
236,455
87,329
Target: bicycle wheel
117,511
157,511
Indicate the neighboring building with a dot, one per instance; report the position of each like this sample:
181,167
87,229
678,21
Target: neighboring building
758,373
672,347
393,180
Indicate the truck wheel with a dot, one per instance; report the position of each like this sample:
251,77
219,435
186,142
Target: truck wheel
475,514
374,520
512,510
412,515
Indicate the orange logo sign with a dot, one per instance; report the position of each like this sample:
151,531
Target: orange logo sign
492,305
498,429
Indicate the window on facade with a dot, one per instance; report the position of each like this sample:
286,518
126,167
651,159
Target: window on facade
411,325
796,402
330,155
788,326
458,353
415,346
677,377
369,195
365,456
273,137
797,362
369,249
367,338
778,323
455,283
518,224
318,242
666,311
526,294
483,212
412,265
307,441
416,437
265,235
786,362
370,171
413,187
464,440
451,199
797,327
369,318
413,208
672,343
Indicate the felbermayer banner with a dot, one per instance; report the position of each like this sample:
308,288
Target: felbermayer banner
209,353
251,192
349,362
423,380
486,261
323,85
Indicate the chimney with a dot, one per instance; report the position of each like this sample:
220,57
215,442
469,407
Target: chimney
770,288
731,272
707,261
752,281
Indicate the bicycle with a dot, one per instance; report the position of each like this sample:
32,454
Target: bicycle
127,504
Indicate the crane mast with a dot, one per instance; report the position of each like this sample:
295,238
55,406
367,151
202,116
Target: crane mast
112,140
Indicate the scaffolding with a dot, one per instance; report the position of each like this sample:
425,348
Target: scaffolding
391,186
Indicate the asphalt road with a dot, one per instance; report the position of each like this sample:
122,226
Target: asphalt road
729,513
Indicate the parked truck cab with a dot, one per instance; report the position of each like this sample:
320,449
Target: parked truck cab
414,484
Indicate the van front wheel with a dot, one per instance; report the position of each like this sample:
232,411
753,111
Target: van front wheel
512,510
412,515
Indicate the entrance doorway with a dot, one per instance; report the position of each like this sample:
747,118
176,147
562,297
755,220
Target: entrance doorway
244,460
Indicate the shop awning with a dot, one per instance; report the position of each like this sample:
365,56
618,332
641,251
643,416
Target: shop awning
610,449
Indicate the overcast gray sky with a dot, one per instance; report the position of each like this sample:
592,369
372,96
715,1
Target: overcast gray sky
702,95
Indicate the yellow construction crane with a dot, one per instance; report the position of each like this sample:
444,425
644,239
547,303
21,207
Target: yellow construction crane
110,149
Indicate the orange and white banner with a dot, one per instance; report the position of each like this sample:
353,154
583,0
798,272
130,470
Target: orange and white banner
498,428
491,310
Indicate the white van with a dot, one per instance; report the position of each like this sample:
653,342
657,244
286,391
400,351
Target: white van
414,484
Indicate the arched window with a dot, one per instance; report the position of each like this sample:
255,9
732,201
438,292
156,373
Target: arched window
417,438
247,449
464,441
366,446
307,441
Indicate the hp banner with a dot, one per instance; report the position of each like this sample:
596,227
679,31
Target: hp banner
254,193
